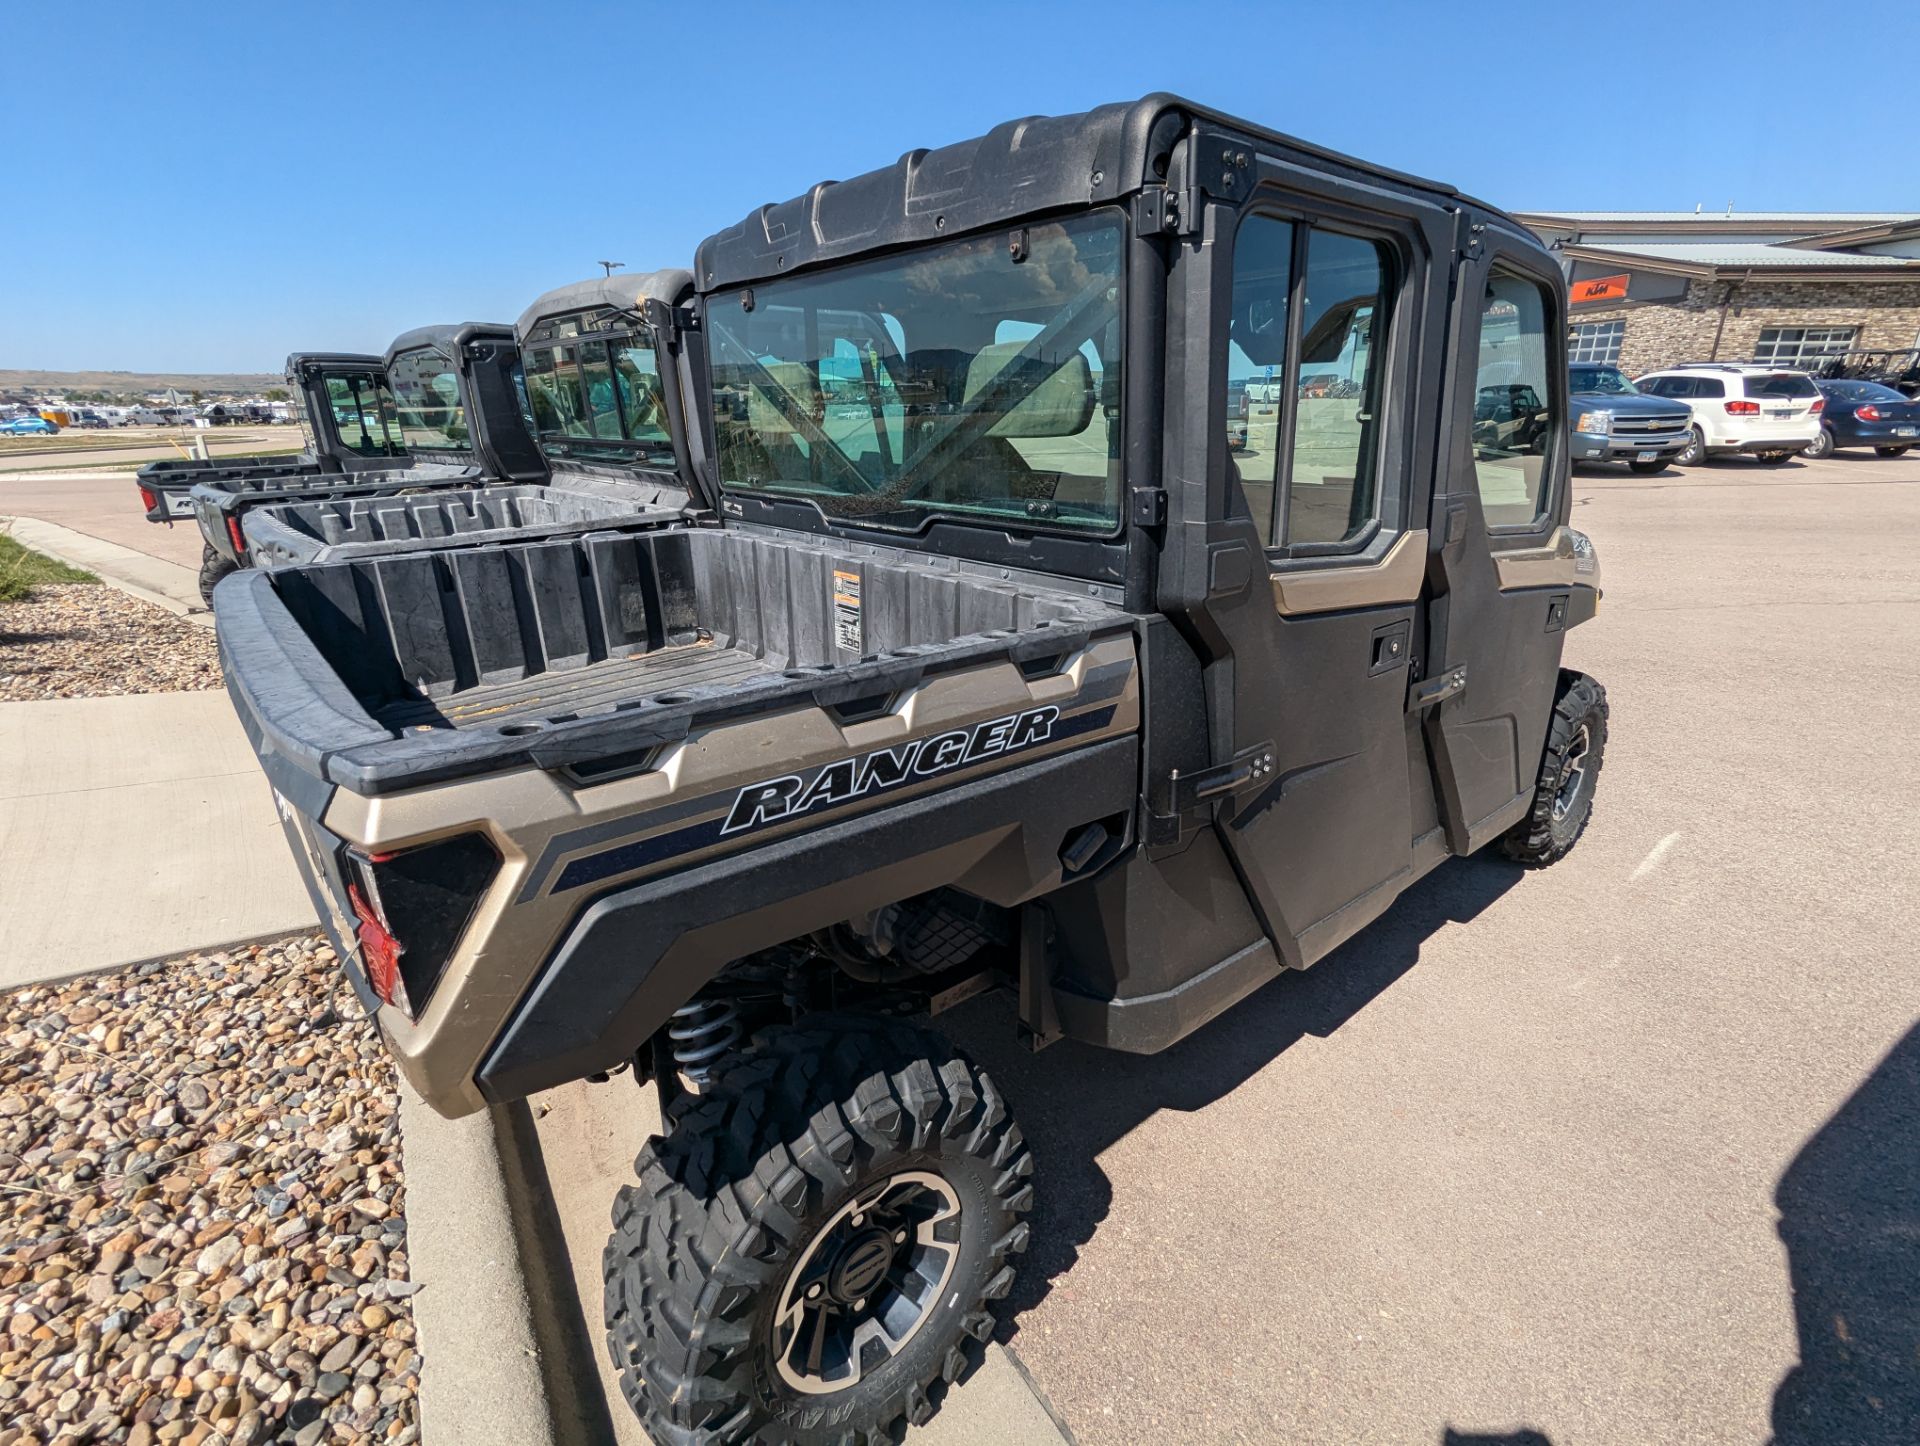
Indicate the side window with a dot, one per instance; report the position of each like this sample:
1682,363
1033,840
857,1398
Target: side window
1513,429
428,393
1707,387
1337,431
1256,358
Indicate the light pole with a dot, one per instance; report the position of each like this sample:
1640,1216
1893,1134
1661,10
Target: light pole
610,265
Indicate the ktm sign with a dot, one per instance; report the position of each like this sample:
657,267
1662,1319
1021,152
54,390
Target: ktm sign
1600,288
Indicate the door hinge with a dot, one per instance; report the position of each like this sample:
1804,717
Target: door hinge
1249,768
1148,507
1436,689
1162,211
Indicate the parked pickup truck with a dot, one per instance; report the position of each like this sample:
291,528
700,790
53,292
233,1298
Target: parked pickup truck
456,409
1612,420
998,666
608,420
345,410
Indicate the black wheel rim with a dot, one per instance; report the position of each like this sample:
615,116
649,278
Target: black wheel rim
866,1282
1573,774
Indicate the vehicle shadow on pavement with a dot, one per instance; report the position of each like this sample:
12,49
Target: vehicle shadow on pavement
1850,1219
1073,1100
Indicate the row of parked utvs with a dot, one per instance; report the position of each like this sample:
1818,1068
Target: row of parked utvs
719,673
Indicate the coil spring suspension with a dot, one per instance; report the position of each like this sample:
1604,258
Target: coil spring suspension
701,1032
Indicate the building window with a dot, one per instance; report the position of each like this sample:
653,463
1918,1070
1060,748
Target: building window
1595,341
1799,346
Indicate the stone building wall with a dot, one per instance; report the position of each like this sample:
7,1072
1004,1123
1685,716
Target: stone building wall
1663,333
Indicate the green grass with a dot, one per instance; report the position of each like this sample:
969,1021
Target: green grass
21,570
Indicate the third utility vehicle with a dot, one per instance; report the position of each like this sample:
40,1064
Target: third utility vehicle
1001,664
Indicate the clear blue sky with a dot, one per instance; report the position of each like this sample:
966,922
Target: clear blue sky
208,186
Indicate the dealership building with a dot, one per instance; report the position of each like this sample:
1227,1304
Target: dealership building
1652,288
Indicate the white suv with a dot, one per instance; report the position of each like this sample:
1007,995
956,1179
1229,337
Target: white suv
1770,413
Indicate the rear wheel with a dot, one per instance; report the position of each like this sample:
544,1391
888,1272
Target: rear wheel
1822,445
1647,469
1695,452
812,1249
213,567
1569,767
1890,451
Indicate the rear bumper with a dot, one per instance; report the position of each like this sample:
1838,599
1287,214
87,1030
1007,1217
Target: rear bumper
1877,434
1765,444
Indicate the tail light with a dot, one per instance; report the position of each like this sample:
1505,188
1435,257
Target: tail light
1867,412
1743,409
412,906
233,531
147,498
1817,408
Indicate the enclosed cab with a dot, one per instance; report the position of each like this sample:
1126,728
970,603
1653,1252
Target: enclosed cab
603,399
1018,658
346,415
447,398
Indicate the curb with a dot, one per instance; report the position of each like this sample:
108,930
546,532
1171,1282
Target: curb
499,1364
151,579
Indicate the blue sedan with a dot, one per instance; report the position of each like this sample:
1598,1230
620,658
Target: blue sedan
27,427
1865,414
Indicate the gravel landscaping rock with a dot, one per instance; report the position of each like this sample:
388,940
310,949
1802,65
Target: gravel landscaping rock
202,1212
88,640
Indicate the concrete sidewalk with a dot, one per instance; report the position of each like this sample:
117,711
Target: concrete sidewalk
154,579
134,828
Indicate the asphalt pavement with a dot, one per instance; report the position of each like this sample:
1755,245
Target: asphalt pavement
1627,1150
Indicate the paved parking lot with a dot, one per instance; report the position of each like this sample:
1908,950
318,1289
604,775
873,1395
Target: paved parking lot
1624,1151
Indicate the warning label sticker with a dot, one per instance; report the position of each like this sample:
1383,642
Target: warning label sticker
846,611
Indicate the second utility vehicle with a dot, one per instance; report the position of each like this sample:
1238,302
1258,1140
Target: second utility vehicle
454,406
1003,664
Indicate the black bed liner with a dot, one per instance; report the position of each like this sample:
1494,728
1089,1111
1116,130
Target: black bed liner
391,671
217,500
336,528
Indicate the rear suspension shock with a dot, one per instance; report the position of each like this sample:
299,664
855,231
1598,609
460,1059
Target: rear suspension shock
702,1030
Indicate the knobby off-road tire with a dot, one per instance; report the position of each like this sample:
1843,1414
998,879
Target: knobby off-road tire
736,1212
1569,768
213,567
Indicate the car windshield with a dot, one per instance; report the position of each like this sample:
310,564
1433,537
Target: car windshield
598,394
1782,386
977,378
1608,381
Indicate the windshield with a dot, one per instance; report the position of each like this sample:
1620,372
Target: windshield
597,395
979,378
1608,381
427,390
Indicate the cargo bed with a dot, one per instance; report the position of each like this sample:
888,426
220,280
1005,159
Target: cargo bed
166,486
339,528
222,501
389,671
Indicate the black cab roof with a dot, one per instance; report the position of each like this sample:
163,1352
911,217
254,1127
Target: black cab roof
1021,168
625,291
448,336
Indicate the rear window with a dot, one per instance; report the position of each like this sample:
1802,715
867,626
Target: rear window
1781,386
1867,392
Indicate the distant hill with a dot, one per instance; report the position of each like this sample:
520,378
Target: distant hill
207,383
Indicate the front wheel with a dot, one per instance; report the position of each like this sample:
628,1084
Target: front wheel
1695,452
1822,445
813,1247
1569,767
1889,451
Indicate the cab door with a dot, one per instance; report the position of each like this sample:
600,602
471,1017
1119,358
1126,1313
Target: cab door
1323,299
1503,566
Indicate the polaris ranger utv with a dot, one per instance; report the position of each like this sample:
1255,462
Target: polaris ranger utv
345,411
450,402
604,402
1002,665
